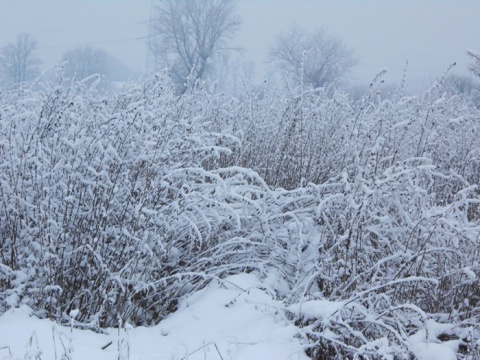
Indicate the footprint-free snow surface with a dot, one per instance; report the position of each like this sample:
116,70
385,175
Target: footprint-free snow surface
236,319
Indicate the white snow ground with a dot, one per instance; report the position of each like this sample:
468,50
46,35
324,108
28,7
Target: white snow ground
235,320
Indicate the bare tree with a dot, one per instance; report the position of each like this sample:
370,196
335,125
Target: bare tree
82,62
318,58
475,66
18,62
187,34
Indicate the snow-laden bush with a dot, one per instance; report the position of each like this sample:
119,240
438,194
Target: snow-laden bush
362,216
387,259
313,135
107,207
390,235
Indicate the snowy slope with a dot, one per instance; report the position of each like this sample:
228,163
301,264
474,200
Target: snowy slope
236,319
233,320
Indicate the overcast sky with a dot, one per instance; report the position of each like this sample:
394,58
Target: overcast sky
430,34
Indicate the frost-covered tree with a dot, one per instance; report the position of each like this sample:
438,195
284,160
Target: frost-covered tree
316,59
82,62
187,34
18,62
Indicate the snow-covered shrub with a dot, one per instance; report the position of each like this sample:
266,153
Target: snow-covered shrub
107,206
390,238
386,257
293,139
362,216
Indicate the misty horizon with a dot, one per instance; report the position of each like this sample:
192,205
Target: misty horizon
428,35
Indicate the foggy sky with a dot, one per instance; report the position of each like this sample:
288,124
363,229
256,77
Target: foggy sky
429,34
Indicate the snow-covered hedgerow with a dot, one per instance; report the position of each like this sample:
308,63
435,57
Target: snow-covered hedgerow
361,216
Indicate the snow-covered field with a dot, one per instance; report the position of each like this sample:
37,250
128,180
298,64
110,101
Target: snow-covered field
236,319
232,320
353,226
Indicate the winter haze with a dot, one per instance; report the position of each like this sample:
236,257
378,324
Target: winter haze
429,34
265,180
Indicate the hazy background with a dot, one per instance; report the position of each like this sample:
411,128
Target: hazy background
430,34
